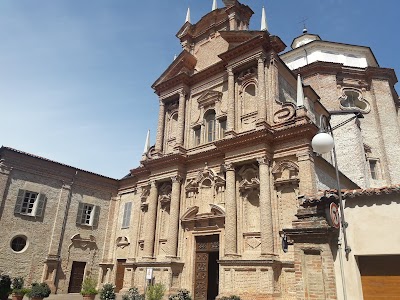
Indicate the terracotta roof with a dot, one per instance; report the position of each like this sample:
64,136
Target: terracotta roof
51,161
348,194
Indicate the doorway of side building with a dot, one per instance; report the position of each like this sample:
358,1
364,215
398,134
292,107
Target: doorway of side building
380,276
119,277
76,278
206,275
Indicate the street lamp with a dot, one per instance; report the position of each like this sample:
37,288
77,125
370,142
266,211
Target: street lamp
322,143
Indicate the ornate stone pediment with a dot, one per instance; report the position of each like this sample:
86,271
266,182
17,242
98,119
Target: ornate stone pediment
209,98
250,180
286,173
216,211
81,242
206,178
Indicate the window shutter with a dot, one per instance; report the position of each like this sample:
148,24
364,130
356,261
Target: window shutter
20,199
127,215
96,214
41,198
79,214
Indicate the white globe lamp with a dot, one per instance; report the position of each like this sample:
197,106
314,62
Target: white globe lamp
322,143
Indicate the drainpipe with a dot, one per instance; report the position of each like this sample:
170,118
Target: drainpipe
63,230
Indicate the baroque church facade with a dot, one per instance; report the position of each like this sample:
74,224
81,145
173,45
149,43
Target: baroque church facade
228,200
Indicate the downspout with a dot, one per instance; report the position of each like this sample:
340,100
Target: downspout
63,230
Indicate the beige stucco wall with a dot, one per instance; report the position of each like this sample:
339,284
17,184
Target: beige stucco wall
373,223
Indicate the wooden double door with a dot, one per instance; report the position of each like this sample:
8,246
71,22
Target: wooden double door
206,268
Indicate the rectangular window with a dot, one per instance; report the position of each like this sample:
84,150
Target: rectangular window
222,126
126,219
373,169
88,214
197,134
30,203
211,130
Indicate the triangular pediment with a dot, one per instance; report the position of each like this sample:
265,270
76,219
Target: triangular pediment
184,63
209,97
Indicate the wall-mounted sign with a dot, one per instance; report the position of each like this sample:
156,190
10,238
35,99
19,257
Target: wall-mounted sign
149,273
333,216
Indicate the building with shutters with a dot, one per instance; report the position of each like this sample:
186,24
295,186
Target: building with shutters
228,200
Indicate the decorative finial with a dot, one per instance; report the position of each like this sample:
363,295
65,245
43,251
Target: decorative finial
188,15
214,6
147,144
264,25
304,25
300,92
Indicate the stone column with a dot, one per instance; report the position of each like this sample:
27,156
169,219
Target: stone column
174,216
151,215
261,90
181,118
231,101
231,215
267,238
160,127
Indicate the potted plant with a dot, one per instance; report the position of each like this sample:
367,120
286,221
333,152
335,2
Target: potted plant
39,291
181,295
107,292
133,294
5,286
18,290
155,292
88,290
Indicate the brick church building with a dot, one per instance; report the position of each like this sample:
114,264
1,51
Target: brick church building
231,199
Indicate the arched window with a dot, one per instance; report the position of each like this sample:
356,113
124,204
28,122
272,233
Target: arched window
250,101
210,125
352,100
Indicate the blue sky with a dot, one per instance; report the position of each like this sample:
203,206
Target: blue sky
75,75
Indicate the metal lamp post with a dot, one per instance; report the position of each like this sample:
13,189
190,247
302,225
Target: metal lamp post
322,143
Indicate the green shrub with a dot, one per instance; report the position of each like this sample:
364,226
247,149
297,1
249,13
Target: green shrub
40,290
18,286
5,286
133,294
89,286
155,292
107,292
182,295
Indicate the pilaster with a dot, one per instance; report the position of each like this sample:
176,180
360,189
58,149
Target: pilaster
231,102
150,221
181,118
231,212
174,216
261,90
267,241
308,180
160,127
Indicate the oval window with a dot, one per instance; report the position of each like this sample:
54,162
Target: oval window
18,244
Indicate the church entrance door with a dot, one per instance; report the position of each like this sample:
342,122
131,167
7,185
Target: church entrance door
206,267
